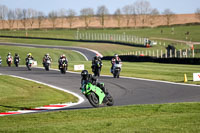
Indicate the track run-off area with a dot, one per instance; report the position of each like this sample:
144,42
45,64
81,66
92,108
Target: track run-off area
125,90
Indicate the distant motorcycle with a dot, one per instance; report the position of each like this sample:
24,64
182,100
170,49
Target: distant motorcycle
97,68
9,61
63,66
0,61
97,96
16,62
47,64
29,63
117,69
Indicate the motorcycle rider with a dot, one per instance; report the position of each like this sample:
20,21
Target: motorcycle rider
9,56
94,60
61,60
0,60
86,77
113,61
16,57
46,57
29,56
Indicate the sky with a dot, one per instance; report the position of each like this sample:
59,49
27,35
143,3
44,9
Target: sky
177,6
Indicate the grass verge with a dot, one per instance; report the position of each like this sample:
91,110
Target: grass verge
161,118
26,94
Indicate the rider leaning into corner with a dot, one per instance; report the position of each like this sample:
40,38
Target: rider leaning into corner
46,57
62,59
86,77
94,60
114,59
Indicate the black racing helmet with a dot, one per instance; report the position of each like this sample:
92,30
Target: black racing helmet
84,73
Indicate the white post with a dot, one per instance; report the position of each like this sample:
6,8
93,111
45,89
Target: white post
180,53
165,53
153,53
157,53
161,53
186,53
170,53
193,53
175,53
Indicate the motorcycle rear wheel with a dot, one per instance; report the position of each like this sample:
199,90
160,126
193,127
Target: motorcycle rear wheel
110,100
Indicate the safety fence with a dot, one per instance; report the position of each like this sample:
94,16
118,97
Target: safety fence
181,53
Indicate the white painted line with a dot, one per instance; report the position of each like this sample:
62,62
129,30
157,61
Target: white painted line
47,107
81,54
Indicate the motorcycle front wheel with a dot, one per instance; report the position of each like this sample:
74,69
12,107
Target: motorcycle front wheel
93,99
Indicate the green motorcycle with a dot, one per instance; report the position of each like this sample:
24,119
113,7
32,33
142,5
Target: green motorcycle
96,96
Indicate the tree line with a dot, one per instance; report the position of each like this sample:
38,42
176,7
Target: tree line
138,12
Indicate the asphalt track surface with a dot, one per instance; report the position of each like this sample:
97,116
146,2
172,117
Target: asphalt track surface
125,91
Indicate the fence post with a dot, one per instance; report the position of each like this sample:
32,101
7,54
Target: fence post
186,53
170,53
180,53
165,53
193,53
153,53
157,53
175,53
161,53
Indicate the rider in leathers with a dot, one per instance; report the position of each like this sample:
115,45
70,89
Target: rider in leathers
45,58
86,77
114,59
94,60
61,60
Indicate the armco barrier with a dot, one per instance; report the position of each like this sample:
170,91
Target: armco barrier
132,58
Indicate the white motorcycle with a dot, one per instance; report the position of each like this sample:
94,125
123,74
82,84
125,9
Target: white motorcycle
117,69
47,64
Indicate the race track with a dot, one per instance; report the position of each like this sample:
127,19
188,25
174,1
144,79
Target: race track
125,91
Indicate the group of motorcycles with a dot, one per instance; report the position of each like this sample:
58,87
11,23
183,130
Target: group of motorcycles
115,70
30,62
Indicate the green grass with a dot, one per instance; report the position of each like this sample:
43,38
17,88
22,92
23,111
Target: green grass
161,118
156,71
179,32
26,94
103,48
38,54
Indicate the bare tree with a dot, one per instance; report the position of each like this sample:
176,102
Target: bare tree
197,13
53,16
118,17
102,12
86,15
24,18
169,16
70,17
62,14
128,11
40,18
11,18
19,16
143,9
31,16
153,15
3,14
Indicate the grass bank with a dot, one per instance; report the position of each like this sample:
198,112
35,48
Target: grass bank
19,94
162,118
179,32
